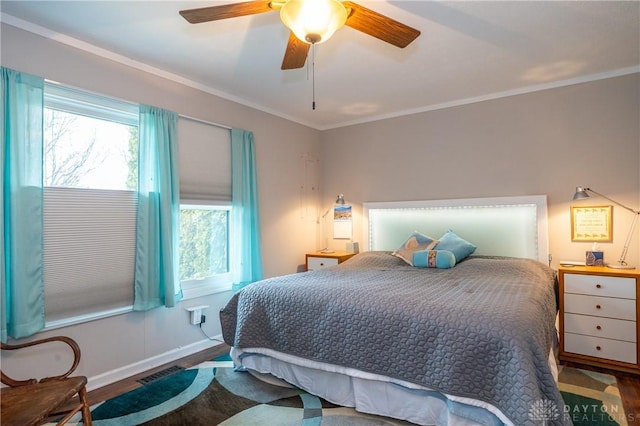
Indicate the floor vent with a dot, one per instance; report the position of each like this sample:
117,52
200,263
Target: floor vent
160,374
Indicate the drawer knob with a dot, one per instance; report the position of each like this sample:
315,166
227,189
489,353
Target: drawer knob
598,307
598,348
598,286
598,327
321,264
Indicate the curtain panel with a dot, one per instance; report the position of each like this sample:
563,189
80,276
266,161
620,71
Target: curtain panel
21,271
157,225
246,242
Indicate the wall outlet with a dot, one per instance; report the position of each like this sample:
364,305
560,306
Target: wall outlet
196,314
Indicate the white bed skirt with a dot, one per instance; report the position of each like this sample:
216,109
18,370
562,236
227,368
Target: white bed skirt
370,393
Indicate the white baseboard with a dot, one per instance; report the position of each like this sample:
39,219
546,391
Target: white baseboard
121,373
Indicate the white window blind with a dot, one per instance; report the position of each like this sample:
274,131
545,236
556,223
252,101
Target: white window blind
89,233
89,251
205,184
205,161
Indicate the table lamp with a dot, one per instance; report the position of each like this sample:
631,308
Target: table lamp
583,192
339,201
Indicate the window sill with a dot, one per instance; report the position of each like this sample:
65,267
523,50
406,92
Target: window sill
191,291
195,291
80,319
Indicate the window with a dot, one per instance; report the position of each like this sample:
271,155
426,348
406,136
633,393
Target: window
205,190
204,249
90,178
90,167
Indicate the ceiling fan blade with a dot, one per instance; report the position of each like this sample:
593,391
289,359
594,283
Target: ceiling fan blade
379,26
296,54
215,13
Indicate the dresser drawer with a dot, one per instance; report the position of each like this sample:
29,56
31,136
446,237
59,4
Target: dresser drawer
598,285
600,327
609,307
314,263
600,348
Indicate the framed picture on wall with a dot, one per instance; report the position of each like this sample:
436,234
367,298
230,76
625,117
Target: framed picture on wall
591,224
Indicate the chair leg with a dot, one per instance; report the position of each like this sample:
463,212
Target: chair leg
86,410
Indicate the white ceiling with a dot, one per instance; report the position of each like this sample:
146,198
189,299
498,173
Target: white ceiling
467,51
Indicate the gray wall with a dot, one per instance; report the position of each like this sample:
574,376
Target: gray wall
545,142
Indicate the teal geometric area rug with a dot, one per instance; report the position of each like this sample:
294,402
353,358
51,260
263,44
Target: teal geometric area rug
591,398
212,393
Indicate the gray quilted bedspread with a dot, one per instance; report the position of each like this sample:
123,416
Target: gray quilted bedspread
482,329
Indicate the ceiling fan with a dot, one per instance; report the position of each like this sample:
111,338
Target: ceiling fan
323,19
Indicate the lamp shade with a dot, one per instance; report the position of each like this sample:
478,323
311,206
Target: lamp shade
313,21
581,193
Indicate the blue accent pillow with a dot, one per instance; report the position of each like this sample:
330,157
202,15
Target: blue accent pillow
441,259
415,242
460,247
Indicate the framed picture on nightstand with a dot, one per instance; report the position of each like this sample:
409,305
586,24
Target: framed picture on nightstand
591,224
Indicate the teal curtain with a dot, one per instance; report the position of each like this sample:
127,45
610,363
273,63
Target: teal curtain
246,242
22,292
157,225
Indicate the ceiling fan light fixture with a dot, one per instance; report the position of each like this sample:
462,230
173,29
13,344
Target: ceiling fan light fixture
313,21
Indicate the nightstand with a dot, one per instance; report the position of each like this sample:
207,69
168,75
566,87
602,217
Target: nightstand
599,315
319,260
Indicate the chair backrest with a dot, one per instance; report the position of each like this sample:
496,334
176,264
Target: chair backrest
69,341
35,401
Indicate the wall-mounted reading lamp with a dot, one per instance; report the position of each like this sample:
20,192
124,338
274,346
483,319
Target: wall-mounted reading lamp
583,192
339,201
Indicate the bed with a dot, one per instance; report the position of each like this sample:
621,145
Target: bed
468,343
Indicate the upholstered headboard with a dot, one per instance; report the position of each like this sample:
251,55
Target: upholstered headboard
502,226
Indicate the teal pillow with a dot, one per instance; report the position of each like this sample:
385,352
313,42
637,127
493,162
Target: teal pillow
441,259
460,247
415,242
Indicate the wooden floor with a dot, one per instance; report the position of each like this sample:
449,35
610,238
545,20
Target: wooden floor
131,383
629,384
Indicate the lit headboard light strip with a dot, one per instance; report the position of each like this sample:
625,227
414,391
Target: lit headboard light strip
503,226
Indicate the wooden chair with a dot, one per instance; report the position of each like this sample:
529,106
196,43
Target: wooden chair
33,402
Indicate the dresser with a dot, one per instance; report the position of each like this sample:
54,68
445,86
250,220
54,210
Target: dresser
599,315
319,260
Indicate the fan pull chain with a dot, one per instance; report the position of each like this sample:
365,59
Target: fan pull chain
313,76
